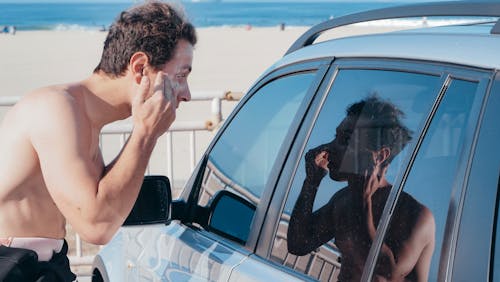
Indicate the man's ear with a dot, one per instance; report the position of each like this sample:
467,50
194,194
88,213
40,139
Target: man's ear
382,155
137,65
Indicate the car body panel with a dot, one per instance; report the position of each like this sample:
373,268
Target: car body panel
171,252
255,268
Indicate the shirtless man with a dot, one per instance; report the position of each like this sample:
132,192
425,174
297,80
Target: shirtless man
366,142
51,167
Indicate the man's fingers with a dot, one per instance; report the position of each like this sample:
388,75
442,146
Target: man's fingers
143,89
160,77
163,90
321,160
169,91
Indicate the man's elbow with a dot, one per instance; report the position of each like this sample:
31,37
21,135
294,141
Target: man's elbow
97,227
297,247
96,230
97,235
297,250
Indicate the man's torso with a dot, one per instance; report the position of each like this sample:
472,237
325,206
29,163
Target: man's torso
352,237
26,207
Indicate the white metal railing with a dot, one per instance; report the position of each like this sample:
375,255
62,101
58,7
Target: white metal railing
123,130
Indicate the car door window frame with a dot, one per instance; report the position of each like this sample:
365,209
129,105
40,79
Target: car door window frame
483,80
445,72
189,197
477,197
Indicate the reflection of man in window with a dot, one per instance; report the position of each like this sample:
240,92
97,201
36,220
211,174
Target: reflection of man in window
366,141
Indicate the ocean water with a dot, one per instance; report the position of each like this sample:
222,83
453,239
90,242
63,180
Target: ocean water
92,16
41,16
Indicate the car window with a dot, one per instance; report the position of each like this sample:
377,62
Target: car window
421,210
244,155
323,225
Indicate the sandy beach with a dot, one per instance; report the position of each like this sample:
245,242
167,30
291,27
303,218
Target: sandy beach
224,58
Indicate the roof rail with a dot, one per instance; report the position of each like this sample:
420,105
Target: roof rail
452,8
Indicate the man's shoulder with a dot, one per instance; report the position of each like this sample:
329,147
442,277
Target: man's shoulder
344,194
48,108
408,199
410,206
49,101
50,96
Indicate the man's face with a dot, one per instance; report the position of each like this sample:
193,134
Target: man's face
179,68
348,153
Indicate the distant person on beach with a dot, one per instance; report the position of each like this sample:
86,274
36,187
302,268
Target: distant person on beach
366,142
12,30
52,171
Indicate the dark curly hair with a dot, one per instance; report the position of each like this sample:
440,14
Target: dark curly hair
153,28
384,125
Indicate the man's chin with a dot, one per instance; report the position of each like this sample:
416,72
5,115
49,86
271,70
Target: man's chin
338,176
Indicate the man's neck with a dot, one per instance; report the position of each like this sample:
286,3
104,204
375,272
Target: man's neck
106,99
356,184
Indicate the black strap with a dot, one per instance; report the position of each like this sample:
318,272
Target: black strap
22,265
17,264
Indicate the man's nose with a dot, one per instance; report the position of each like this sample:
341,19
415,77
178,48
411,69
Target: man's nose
184,95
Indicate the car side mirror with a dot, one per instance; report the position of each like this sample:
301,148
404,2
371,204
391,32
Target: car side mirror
153,205
230,216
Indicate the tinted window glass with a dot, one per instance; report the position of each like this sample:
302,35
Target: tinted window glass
245,153
323,230
428,188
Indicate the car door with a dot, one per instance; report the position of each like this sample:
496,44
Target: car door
438,105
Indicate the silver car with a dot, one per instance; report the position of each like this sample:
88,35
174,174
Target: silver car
363,158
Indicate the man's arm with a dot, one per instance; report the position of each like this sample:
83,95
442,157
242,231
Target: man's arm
308,230
96,201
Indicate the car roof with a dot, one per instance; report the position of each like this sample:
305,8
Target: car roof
475,44
462,47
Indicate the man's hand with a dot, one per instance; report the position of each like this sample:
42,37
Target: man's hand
371,181
153,114
316,165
